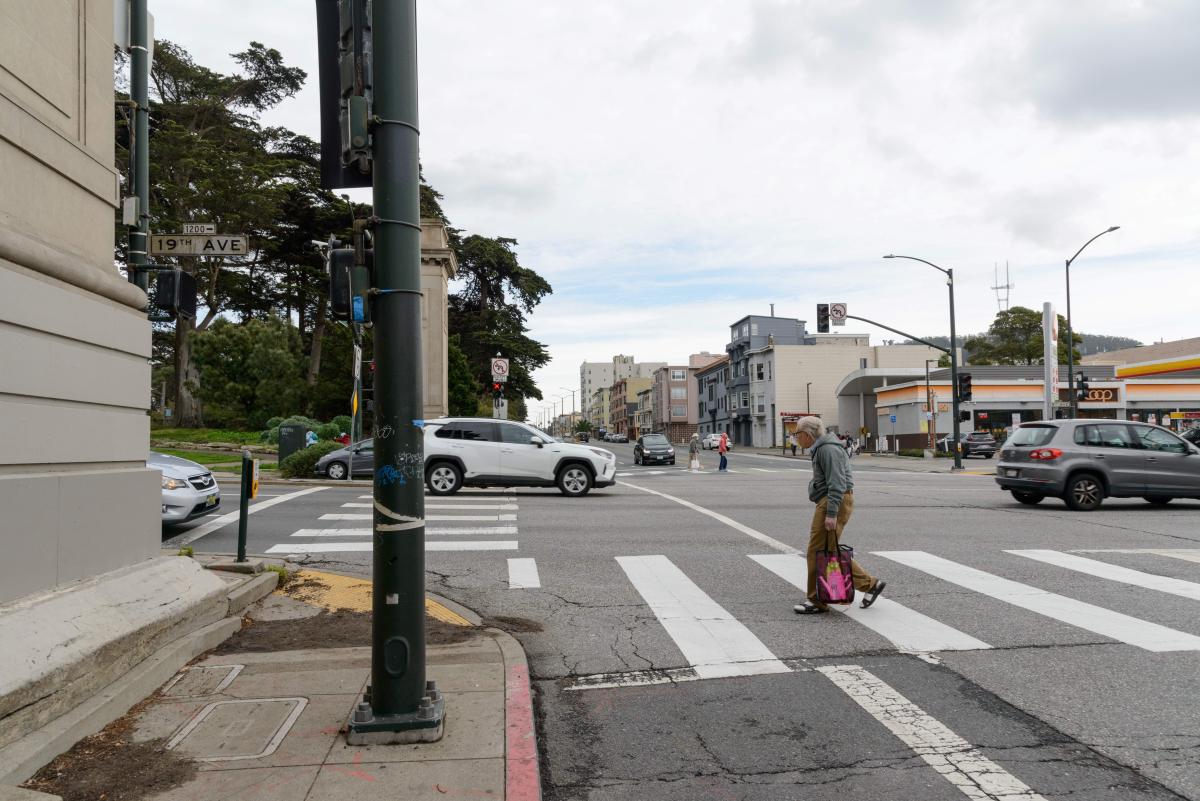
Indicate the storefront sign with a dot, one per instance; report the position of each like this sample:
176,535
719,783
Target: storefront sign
1098,395
1185,415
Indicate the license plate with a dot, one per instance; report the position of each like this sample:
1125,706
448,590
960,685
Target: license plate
211,500
1012,473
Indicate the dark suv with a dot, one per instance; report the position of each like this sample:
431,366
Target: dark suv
652,449
1085,461
974,443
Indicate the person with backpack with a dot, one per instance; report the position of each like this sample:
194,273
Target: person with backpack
832,490
723,448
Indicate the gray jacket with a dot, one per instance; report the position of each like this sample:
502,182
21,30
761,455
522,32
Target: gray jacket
832,477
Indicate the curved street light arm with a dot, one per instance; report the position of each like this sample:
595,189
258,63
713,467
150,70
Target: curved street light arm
914,258
1090,241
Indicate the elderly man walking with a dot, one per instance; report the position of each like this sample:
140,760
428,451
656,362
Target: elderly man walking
832,490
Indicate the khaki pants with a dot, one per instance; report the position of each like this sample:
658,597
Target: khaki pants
820,540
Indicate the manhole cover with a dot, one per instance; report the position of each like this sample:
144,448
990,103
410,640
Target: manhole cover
241,729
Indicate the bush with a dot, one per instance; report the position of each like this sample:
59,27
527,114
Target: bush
301,463
296,419
919,452
343,423
327,431
274,422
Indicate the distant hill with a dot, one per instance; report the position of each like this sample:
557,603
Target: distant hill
1102,343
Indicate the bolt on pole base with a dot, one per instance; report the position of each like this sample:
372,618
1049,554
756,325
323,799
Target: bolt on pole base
426,725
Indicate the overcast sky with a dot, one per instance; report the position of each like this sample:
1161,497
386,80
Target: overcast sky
672,166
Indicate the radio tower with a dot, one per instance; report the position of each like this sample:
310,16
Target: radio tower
1001,299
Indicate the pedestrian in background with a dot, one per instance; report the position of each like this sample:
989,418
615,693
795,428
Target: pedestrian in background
832,490
694,453
723,448
792,439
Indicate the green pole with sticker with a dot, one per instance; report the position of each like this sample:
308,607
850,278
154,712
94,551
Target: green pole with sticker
399,707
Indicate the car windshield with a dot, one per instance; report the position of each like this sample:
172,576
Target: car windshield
654,439
1033,436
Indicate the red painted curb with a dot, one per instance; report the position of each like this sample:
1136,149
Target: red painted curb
522,782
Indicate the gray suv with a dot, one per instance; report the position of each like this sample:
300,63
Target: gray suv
1085,461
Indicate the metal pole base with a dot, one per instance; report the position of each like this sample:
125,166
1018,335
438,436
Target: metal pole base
426,725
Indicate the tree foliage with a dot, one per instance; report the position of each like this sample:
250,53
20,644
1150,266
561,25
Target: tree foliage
1015,337
249,372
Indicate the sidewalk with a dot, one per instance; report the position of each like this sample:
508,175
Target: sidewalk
263,716
978,467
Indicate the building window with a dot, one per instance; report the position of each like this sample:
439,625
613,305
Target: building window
745,330
678,411
745,400
678,393
758,371
701,408
679,375
754,329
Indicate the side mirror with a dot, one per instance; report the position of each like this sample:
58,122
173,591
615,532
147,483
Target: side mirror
536,441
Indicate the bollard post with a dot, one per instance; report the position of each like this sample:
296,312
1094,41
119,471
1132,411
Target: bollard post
247,469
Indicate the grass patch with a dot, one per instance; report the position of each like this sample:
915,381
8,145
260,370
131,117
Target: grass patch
200,457
207,435
236,467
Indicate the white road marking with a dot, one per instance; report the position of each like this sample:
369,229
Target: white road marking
430,532
770,542
1093,567
191,535
1186,554
507,507
908,629
430,545
1096,619
434,518
711,639
955,759
523,574
763,470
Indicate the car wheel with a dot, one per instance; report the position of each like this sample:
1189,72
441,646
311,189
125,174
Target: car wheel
336,470
443,478
1030,498
635,459
1158,500
671,462
1084,493
574,480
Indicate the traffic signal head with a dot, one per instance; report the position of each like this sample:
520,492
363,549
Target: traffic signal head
1081,386
344,66
964,387
497,389
340,261
175,293
823,318
964,416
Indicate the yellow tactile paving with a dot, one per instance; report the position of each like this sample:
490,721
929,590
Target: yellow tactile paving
333,591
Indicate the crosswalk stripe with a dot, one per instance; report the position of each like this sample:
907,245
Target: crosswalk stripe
430,545
908,629
764,470
523,574
429,531
506,507
1096,619
955,759
712,640
1094,567
1186,554
434,518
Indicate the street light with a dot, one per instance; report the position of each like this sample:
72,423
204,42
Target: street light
1070,332
572,418
953,351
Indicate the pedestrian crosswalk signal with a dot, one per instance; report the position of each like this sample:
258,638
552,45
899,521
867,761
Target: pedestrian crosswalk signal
964,387
1081,387
497,390
823,318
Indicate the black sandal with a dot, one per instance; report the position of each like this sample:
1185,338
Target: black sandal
807,608
870,595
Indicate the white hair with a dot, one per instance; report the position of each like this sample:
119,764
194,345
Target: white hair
811,426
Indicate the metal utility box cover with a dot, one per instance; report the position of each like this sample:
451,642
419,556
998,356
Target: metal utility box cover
291,439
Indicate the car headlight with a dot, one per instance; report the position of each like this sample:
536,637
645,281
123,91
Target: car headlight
670,451
173,483
602,453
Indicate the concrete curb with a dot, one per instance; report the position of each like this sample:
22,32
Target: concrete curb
253,590
522,776
458,609
25,757
21,794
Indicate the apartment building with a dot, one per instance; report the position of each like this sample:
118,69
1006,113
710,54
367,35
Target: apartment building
673,403
599,414
752,334
644,418
712,413
623,404
594,375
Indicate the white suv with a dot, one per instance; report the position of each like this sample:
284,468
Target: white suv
472,451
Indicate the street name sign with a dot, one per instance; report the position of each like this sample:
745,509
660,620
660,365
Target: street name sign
837,313
198,245
199,228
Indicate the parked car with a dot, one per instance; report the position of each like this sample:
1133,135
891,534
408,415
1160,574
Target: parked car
619,438
583,436
974,443
188,489
479,452
337,464
1085,461
713,441
653,449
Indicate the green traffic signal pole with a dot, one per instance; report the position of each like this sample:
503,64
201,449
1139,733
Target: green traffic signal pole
953,357
399,706
139,94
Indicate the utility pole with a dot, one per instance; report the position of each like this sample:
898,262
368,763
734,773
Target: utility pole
139,95
399,707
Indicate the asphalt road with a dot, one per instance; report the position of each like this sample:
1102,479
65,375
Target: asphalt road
1022,652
